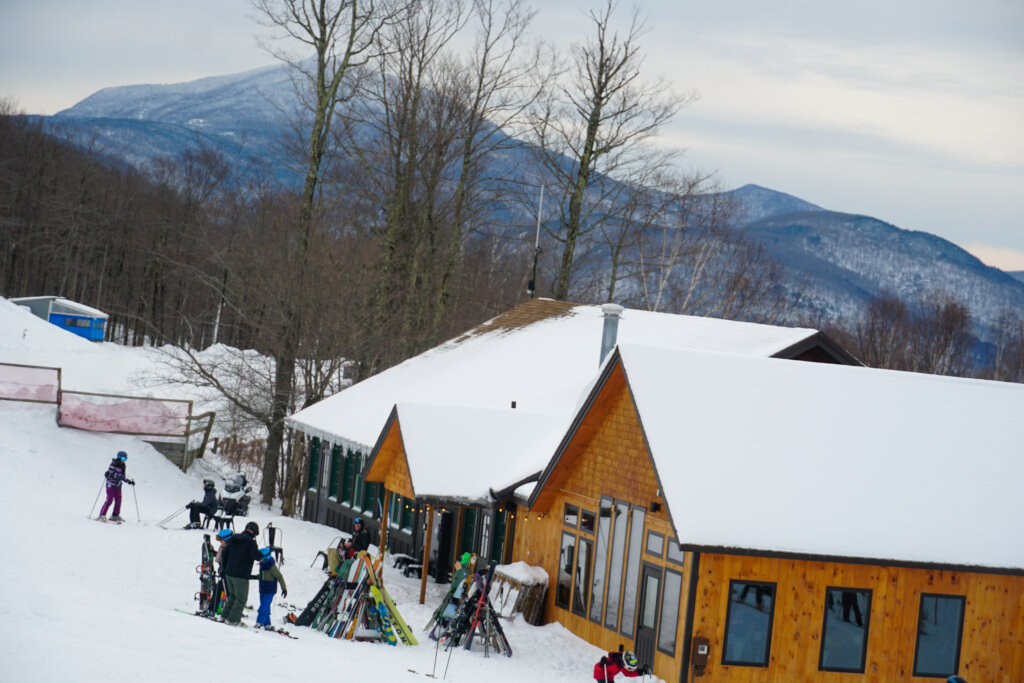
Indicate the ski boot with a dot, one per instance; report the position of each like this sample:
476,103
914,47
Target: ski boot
117,518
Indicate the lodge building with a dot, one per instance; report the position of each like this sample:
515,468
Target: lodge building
720,511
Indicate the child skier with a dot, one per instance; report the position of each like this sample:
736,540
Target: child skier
115,475
618,662
269,577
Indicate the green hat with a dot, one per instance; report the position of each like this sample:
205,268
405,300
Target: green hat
465,559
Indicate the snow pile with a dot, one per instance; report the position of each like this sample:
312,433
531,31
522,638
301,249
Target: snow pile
523,573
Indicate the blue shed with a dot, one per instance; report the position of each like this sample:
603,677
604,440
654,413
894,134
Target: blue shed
74,317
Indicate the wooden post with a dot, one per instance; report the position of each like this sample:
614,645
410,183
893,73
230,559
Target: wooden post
385,521
426,553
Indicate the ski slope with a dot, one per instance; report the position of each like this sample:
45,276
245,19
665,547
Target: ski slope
88,601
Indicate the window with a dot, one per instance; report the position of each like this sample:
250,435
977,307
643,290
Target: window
469,518
587,522
616,555
636,535
748,623
581,578
565,568
314,463
844,633
669,612
336,466
571,516
675,554
604,527
940,623
655,543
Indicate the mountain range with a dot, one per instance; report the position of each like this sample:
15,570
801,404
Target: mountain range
837,261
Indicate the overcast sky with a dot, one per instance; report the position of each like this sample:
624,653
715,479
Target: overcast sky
910,111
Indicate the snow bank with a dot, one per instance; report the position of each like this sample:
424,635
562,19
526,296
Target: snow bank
523,573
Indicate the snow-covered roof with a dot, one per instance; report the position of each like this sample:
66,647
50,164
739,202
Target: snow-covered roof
460,453
69,306
834,460
541,355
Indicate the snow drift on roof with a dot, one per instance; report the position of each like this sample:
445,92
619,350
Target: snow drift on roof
461,453
541,355
832,460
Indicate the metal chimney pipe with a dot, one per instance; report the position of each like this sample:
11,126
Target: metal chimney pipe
612,314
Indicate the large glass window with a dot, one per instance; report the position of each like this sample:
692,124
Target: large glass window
565,568
636,544
604,527
669,612
616,556
844,634
748,623
675,553
587,522
348,485
940,622
581,578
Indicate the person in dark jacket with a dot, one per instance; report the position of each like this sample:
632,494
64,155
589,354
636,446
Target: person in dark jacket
269,576
208,507
115,475
360,540
239,554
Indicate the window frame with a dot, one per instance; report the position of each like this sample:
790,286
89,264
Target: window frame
666,570
771,624
962,599
558,578
647,543
867,627
575,513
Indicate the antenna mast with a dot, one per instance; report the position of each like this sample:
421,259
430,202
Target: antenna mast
531,287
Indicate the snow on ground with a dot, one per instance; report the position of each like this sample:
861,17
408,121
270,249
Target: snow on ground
88,601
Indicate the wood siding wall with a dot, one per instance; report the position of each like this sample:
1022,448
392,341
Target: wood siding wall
607,457
992,649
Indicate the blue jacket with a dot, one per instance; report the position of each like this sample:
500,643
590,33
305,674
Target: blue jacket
269,576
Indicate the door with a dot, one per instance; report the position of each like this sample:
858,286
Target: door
647,620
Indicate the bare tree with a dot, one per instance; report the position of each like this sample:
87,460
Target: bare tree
1008,357
341,34
591,128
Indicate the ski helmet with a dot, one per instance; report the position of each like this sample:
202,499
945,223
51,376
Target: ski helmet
122,456
253,527
357,520
208,485
629,660
225,534
264,554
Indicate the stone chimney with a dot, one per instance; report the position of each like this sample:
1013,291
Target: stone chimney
612,315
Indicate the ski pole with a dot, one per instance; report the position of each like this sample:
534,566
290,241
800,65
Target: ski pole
138,517
102,486
171,516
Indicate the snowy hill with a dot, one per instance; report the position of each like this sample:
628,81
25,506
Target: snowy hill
88,601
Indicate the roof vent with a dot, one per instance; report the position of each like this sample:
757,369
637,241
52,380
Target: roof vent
612,314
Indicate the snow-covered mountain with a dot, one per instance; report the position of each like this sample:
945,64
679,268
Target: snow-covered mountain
838,261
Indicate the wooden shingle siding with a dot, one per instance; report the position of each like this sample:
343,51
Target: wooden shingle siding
992,647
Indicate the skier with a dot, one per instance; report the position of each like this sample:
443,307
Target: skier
618,662
115,475
270,575
208,507
241,551
223,536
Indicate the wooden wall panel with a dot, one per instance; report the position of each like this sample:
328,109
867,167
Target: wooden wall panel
992,642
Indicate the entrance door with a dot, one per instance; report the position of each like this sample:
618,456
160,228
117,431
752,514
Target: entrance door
647,622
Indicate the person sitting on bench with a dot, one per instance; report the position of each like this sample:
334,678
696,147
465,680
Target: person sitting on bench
208,507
